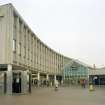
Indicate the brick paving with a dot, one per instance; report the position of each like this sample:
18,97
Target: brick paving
64,96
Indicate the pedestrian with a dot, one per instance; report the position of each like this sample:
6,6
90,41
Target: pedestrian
81,82
56,85
84,83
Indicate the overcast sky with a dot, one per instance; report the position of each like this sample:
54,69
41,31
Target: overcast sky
75,28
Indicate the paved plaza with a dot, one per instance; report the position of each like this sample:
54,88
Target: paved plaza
65,96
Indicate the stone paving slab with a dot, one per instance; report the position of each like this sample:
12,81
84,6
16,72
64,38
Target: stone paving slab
64,96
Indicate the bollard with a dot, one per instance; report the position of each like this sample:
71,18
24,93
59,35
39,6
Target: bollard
91,88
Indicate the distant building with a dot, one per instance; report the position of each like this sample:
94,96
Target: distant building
75,71
97,76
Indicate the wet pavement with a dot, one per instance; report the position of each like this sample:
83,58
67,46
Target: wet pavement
64,96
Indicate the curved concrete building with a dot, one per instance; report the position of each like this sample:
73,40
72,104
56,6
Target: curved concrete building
23,56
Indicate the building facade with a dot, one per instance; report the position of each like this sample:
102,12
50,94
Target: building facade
97,76
75,72
24,58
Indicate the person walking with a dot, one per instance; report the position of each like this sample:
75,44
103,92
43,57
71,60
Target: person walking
84,83
56,85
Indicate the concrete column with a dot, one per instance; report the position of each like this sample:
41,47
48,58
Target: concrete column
54,79
38,77
24,81
99,80
9,79
62,82
47,77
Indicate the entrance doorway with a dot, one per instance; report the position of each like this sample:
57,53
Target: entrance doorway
16,84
